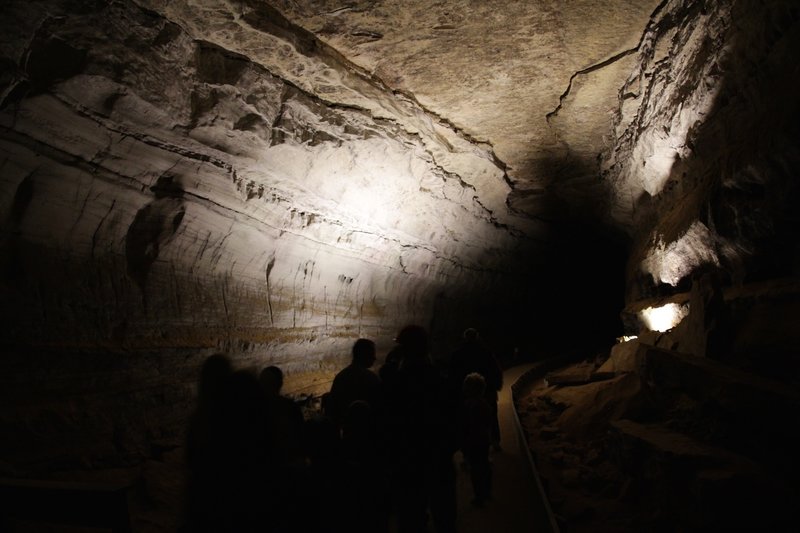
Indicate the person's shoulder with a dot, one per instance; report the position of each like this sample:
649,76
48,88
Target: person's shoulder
365,374
341,377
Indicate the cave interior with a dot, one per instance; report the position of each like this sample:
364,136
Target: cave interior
274,179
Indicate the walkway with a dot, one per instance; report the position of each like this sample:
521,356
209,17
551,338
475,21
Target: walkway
517,505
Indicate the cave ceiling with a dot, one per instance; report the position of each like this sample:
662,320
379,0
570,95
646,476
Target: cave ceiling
533,84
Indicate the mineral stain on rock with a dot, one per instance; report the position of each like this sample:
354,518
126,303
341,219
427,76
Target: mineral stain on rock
152,228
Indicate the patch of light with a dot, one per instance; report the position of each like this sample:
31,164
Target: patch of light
626,338
663,318
658,162
372,184
669,263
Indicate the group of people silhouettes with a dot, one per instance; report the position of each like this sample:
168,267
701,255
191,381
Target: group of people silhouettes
381,450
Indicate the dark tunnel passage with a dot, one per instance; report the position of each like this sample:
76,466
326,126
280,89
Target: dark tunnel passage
571,300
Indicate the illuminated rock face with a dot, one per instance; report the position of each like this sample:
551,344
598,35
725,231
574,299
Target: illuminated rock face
703,170
703,174
163,198
161,191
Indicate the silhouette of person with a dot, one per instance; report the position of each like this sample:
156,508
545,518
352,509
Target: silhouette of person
229,453
325,497
475,423
474,356
290,472
389,369
205,447
355,382
363,477
249,487
286,418
420,426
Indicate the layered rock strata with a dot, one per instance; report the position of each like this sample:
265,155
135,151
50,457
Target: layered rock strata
161,189
165,196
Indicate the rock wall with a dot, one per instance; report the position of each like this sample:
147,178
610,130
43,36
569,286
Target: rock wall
164,196
703,170
703,174
171,184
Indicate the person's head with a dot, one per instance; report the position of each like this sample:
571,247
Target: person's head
214,376
414,342
364,353
244,404
474,386
471,335
271,379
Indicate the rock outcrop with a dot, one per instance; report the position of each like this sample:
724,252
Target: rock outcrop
703,167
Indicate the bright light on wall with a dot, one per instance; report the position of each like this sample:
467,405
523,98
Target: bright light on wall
663,318
671,262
